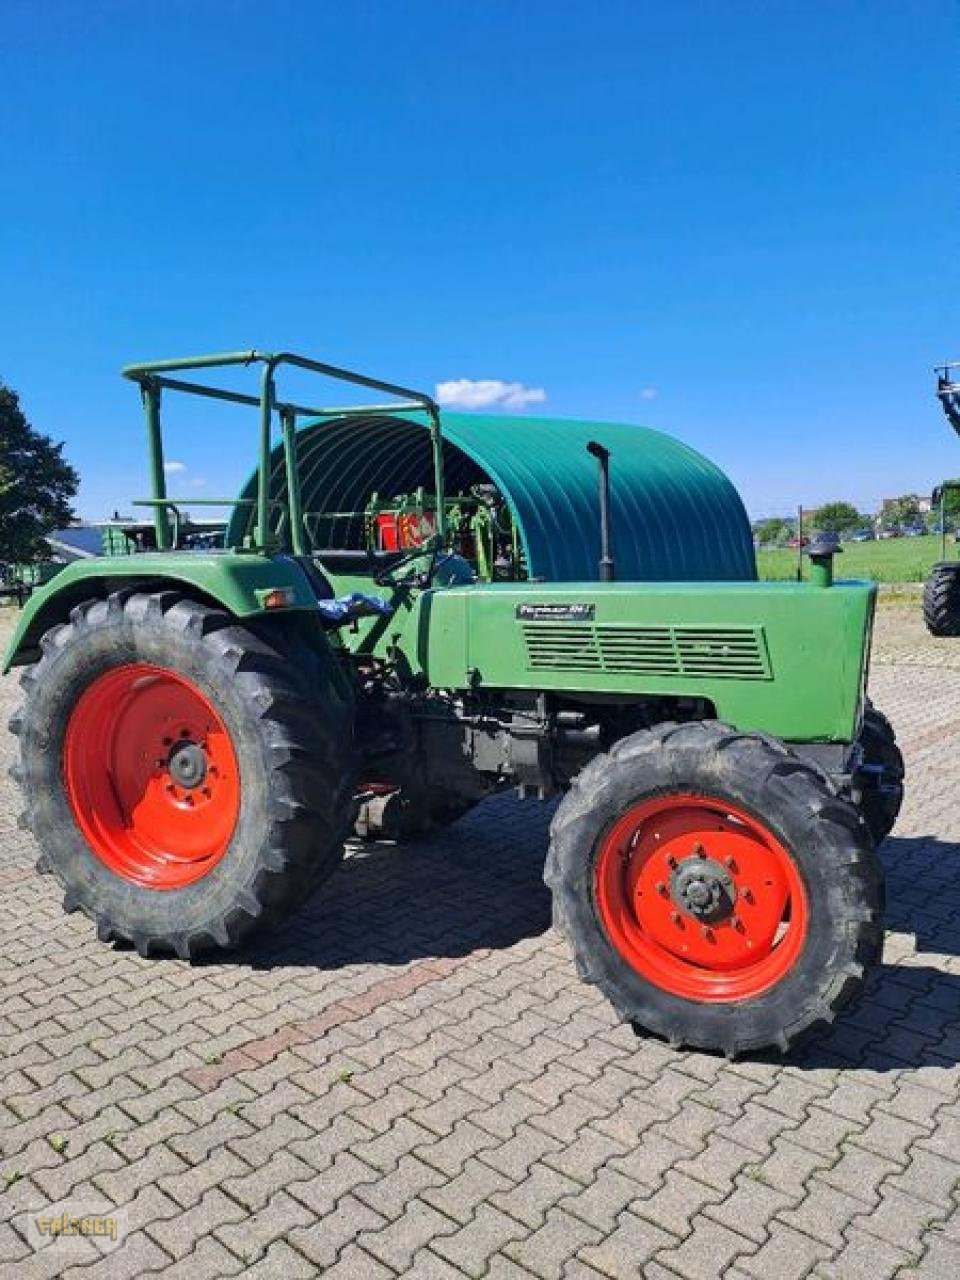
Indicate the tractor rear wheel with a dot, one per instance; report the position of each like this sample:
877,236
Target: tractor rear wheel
187,783
941,599
715,888
881,799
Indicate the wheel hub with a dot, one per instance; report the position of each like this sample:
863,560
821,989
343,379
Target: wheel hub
187,764
700,898
703,889
152,776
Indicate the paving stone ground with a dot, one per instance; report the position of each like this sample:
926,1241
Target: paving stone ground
411,1080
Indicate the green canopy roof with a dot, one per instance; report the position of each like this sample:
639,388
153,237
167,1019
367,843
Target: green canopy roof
674,515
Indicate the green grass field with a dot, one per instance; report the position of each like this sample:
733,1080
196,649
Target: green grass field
898,560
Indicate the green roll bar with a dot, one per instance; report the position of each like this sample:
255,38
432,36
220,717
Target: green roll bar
153,378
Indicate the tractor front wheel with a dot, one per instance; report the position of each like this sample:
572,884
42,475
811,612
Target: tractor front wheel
882,795
715,888
186,781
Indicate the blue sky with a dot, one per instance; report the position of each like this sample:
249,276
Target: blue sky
733,221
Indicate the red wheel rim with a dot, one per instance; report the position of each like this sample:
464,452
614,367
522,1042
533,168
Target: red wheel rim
700,899
151,776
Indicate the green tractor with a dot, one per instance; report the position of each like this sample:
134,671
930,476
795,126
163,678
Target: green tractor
21,580
414,611
941,592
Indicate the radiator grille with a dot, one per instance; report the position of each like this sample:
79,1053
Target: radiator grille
736,653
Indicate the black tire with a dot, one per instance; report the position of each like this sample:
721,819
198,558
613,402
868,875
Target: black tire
824,835
881,796
941,600
291,729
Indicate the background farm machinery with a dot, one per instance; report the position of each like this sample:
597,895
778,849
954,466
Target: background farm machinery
941,596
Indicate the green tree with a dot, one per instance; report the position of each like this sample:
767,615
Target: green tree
903,510
951,505
36,484
837,517
773,531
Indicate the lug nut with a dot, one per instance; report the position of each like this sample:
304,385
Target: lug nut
661,888
747,895
671,861
738,924
730,864
699,851
706,933
674,917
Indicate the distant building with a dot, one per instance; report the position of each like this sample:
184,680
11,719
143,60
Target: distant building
890,505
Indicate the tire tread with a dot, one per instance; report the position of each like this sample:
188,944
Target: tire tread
310,778
783,779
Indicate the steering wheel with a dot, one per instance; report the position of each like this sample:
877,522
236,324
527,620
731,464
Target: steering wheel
387,576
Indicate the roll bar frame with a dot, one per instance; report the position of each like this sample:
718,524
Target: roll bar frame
153,379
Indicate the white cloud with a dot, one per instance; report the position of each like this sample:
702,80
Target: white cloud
649,393
488,393
171,468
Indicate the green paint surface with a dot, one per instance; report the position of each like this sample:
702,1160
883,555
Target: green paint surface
230,580
788,659
785,658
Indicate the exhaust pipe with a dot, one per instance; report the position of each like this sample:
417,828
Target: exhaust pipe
821,552
607,569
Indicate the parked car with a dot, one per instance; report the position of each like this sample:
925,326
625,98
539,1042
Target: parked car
893,531
914,531
796,543
862,535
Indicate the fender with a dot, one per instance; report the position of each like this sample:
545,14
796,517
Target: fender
239,582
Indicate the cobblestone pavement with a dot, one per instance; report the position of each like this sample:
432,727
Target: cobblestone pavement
410,1078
